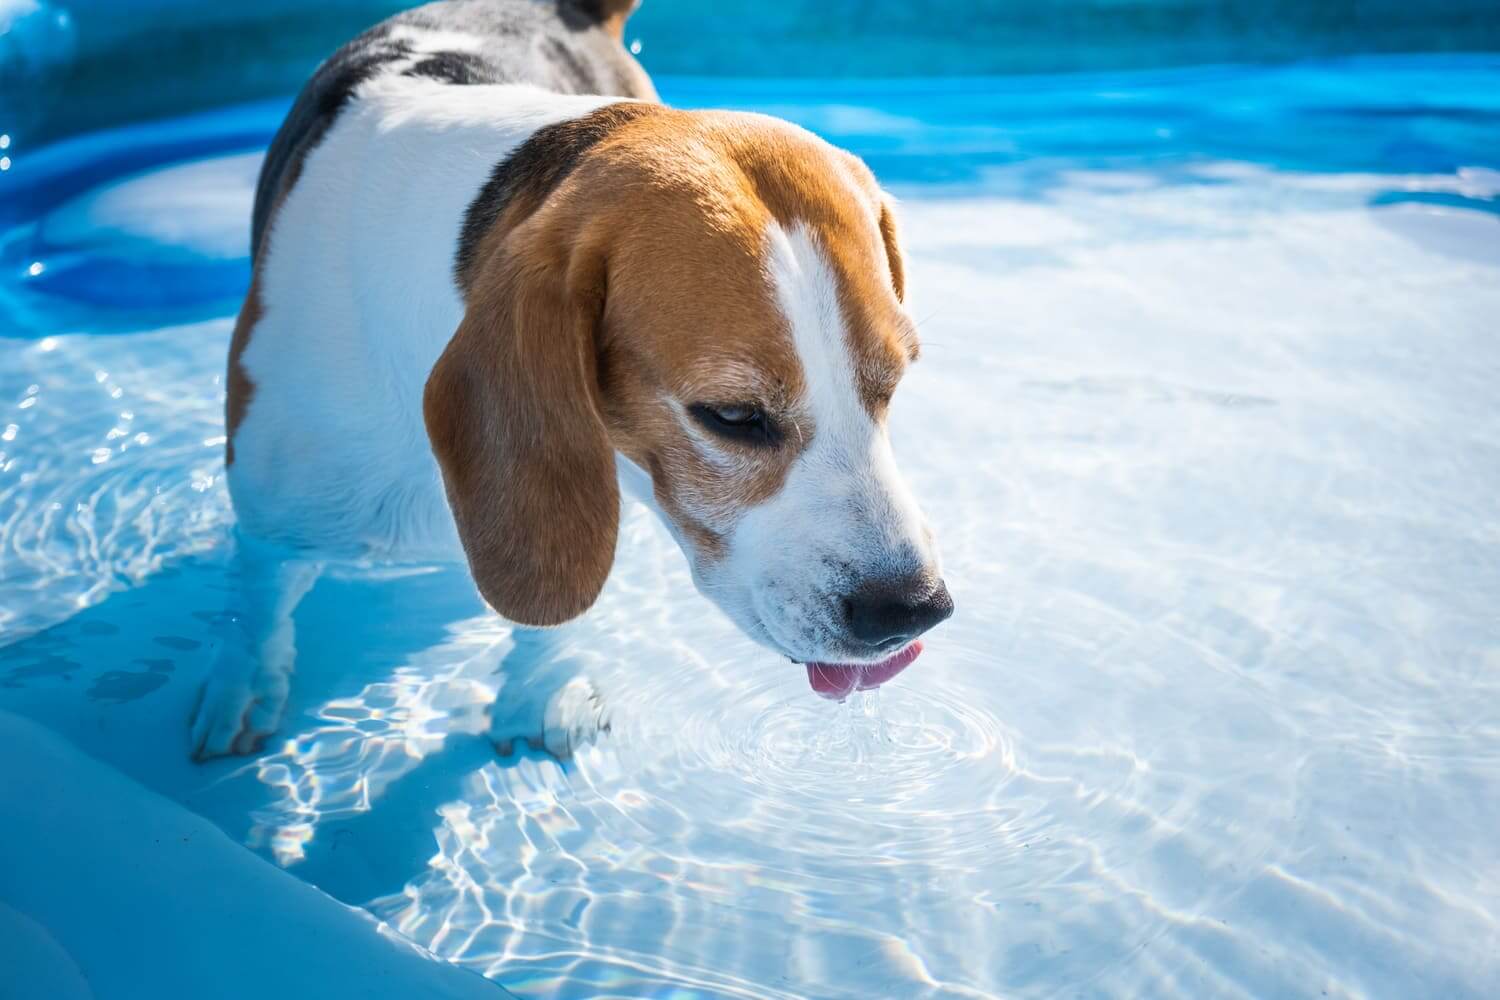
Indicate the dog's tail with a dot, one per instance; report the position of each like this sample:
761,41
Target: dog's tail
608,14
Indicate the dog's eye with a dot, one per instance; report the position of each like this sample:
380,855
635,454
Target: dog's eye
736,421
735,414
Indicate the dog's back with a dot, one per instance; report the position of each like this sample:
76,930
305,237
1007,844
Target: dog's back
566,46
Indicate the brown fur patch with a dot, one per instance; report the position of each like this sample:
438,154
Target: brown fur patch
610,15
893,256
239,390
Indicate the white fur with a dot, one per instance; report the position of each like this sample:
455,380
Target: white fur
844,513
359,296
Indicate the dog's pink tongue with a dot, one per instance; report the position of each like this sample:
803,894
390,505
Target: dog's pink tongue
839,680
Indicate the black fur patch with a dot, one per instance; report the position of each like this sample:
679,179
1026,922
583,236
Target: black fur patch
580,14
316,110
537,167
460,68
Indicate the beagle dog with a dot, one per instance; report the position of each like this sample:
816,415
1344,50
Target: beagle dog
495,283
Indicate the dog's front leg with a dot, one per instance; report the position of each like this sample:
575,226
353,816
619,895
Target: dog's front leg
245,691
545,699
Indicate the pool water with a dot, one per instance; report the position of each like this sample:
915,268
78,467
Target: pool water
1207,421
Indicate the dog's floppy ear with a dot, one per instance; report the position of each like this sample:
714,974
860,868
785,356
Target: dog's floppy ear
514,416
888,235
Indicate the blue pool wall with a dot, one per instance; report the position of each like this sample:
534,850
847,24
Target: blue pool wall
68,66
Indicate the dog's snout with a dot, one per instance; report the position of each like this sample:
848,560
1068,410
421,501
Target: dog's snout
888,613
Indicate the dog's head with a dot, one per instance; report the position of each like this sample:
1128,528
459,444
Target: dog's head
713,301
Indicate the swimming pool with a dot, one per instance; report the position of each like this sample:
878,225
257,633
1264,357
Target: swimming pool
1206,421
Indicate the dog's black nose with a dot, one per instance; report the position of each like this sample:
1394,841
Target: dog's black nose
893,612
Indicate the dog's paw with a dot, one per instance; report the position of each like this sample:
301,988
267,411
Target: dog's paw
240,704
572,717
576,715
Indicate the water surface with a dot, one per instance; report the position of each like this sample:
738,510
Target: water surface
1206,420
